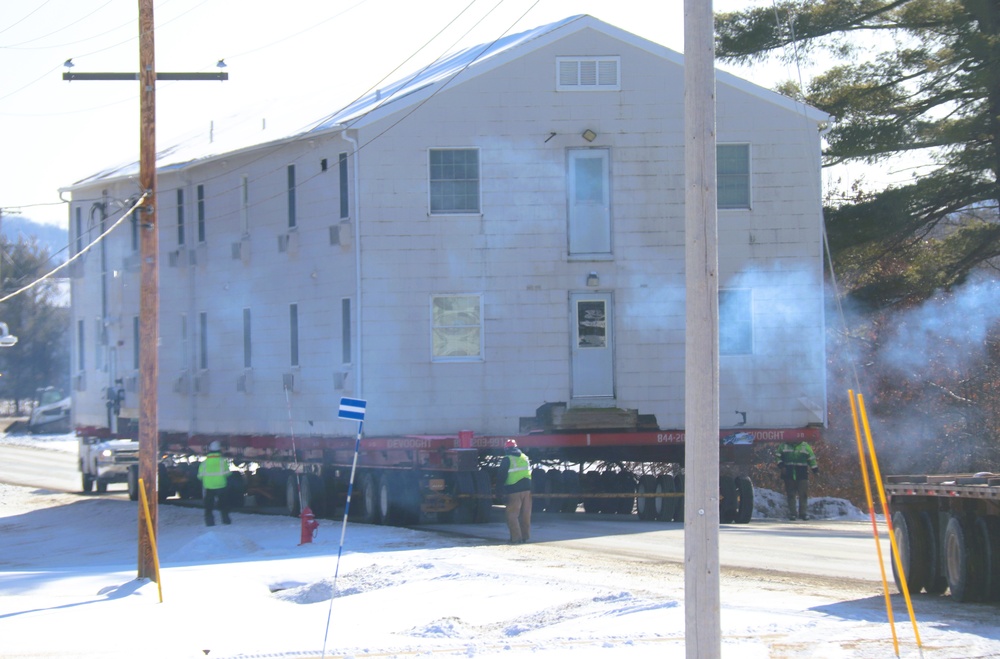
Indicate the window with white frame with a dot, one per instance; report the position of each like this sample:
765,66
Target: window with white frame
454,181
457,327
201,213
735,321
733,172
588,74
589,201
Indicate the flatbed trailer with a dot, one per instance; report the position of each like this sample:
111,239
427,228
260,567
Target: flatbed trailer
947,528
408,479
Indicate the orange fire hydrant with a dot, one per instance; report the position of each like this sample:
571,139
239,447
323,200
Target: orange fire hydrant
309,525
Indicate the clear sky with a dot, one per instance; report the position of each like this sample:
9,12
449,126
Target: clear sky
281,57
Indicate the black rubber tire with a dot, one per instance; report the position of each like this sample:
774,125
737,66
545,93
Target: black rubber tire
292,500
609,484
86,483
465,489
937,581
728,505
540,489
590,483
554,478
679,501
664,507
236,488
389,499
988,528
644,506
744,492
914,554
164,487
625,483
313,494
101,486
571,486
367,497
964,565
484,496
132,481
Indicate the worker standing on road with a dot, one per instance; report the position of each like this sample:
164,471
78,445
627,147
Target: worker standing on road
213,473
796,460
515,480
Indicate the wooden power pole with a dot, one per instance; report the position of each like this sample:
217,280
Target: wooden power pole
149,302
703,630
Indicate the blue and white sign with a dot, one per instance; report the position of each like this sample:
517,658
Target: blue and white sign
352,408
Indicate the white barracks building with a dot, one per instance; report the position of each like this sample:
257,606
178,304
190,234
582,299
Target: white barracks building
501,231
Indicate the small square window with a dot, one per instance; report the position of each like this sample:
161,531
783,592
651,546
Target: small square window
454,181
457,327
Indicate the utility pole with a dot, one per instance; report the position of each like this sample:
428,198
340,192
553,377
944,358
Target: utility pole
703,629
149,303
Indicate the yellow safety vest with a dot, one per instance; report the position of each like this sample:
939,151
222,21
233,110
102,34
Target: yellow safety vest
214,471
519,469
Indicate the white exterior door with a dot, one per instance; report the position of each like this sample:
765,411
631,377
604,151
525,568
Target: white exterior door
593,345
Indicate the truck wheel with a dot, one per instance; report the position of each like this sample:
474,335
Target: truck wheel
625,483
292,494
410,497
988,528
744,492
914,554
608,485
555,481
728,505
963,561
571,486
388,499
87,484
465,492
679,501
101,486
663,507
590,482
540,487
133,483
484,496
644,505
369,498
936,582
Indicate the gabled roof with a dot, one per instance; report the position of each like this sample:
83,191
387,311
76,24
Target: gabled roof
413,89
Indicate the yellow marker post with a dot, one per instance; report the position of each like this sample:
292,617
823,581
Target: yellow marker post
871,512
888,518
152,538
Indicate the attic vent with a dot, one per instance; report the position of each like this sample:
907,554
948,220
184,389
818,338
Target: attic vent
588,74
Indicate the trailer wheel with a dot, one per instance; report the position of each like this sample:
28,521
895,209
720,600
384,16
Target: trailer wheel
679,501
663,506
728,505
540,488
368,485
937,581
313,494
644,505
292,494
590,483
554,478
744,492
571,486
963,561
465,492
133,482
484,496
988,528
86,483
625,483
389,499
914,554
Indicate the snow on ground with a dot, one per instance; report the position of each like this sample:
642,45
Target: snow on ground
249,590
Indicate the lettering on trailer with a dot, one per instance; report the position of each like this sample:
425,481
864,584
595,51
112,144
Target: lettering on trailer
670,438
408,443
352,408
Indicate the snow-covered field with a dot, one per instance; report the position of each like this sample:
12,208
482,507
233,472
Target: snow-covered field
68,589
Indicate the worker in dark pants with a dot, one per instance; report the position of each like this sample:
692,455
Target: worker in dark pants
795,461
514,478
213,473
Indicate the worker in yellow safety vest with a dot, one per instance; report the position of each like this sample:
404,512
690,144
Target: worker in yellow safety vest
514,479
213,473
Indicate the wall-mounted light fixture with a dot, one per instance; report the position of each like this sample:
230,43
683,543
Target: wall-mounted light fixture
589,135
593,280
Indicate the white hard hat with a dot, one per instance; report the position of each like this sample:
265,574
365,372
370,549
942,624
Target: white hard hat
215,446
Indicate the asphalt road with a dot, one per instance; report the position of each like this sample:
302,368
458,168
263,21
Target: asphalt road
836,549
